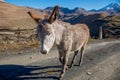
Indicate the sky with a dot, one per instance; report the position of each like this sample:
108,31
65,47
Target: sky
41,4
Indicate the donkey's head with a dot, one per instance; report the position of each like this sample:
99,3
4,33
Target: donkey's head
46,31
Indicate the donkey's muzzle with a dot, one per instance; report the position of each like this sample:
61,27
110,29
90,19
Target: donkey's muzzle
44,52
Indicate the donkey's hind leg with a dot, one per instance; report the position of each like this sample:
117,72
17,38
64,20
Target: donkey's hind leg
74,58
61,60
81,55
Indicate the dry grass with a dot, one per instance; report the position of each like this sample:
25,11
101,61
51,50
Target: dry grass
18,46
91,40
12,16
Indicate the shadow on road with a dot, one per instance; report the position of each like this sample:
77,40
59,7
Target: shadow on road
18,72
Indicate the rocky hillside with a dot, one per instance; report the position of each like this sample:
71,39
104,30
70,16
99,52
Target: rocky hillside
110,24
107,17
89,20
16,24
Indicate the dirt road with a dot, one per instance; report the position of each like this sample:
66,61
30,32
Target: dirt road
101,62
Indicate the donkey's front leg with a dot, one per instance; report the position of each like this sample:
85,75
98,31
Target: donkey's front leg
61,60
65,61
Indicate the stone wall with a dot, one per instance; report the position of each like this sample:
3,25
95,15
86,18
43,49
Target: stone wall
17,35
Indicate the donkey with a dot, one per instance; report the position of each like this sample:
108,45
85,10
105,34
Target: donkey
66,36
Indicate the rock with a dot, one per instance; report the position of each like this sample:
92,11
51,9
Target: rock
30,57
88,73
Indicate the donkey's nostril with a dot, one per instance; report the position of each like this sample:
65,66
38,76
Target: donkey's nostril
44,51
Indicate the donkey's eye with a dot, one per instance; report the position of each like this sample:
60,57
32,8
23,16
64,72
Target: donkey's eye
48,33
43,23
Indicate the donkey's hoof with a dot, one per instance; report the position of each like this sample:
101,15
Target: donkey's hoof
80,64
66,68
60,78
71,66
61,75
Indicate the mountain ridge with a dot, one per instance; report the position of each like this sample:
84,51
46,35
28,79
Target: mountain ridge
64,10
112,8
17,17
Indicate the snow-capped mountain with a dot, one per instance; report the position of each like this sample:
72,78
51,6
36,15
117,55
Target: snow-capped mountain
112,6
111,9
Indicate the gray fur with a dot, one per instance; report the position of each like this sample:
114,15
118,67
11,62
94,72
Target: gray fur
66,36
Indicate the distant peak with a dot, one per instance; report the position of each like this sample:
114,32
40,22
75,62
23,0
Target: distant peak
77,8
114,4
111,6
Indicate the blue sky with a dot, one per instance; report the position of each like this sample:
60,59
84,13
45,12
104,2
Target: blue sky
87,4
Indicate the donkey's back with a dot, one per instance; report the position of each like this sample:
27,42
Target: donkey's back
80,36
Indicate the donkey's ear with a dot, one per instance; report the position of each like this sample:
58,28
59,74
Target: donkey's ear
54,14
37,19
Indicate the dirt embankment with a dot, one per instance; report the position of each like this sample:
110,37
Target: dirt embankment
16,26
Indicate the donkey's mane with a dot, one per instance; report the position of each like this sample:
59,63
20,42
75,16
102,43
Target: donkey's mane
64,24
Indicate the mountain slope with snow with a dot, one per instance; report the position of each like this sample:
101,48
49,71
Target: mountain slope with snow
112,6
